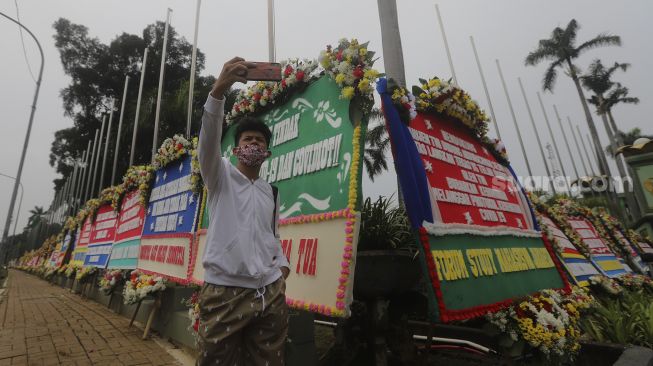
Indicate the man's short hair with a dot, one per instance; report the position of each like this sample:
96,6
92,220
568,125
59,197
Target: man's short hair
252,124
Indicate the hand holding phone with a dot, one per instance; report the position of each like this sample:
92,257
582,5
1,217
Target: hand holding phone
264,71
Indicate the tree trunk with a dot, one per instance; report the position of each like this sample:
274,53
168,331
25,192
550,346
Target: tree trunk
604,169
634,206
393,56
603,164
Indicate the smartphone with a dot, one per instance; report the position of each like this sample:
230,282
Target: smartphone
265,71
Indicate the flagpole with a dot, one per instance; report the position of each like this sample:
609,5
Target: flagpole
580,154
87,169
514,119
138,109
487,94
193,61
564,136
272,56
446,45
553,139
122,114
155,139
537,136
91,166
71,189
82,177
106,149
587,156
97,156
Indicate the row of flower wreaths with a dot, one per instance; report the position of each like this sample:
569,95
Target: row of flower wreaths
547,321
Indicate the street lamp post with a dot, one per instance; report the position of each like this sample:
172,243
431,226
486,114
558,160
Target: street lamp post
5,233
20,201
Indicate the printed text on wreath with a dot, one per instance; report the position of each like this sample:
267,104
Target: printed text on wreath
452,265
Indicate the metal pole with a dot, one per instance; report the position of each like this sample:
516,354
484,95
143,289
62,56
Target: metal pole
191,87
537,136
138,109
22,190
553,139
14,193
564,136
271,46
580,154
122,113
99,152
487,94
514,119
155,138
106,149
582,143
588,157
87,192
80,191
80,181
446,45
119,135
89,164
72,187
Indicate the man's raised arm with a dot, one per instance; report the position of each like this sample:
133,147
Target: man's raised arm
209,155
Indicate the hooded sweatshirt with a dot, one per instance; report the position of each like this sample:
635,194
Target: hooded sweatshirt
242,248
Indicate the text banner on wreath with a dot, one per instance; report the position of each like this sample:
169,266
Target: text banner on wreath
604,258
83,237
636,259
63,253
126,245
579,266
316,149
477,232
102,235
170,223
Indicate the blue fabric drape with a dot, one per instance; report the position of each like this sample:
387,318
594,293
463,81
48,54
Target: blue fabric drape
408,163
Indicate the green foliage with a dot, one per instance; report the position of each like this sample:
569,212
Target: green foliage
384,226
97,73
561,49
627,319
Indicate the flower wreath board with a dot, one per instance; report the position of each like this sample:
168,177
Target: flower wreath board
103,231
127,242
602,255
63,253
315,164
478,236
81,245
578,266
170,221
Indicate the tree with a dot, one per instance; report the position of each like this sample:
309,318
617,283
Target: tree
36,215
561,49
97,73
614,97
377,143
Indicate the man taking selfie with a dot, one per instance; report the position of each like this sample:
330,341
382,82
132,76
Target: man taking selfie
243,311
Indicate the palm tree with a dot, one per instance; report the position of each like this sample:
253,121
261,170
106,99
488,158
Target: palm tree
614,97
598,81
377,143
36,215
561,49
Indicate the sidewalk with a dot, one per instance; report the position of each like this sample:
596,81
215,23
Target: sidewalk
43,324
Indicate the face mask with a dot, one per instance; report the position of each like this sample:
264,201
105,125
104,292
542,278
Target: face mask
251,155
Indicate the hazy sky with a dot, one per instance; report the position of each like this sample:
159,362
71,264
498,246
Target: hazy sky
505,30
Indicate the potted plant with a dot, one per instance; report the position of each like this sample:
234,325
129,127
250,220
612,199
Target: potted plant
387,260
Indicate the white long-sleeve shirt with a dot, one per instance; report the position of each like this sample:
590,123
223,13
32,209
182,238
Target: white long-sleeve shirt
241,247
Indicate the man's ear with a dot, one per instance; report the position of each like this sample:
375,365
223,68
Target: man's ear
269,153
235,150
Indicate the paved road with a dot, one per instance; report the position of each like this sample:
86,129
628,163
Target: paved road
43,324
